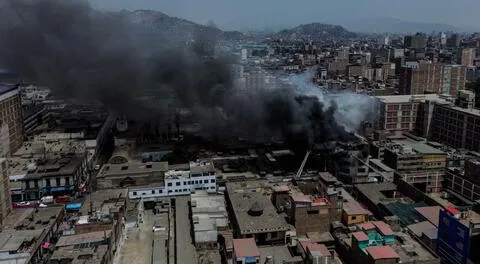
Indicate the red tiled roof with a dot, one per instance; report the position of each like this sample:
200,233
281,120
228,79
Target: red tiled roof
382,252
314,247
360,236
384,228
245,247
431,213
367,226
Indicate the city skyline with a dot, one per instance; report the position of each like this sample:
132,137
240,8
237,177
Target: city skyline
236,15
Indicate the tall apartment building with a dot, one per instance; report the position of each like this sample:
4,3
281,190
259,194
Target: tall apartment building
5,199
468,56
398,113
453,79
456,126
11,114
420,78
417,41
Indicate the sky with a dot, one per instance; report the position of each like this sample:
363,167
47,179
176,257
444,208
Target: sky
262,14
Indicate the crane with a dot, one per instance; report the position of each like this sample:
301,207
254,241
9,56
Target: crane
300,170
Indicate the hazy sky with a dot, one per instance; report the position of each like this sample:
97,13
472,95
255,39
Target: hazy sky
242,14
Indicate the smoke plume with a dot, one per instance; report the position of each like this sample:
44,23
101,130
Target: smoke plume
144,73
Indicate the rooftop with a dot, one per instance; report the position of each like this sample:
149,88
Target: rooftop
431,213
131,168
56,167
373,191
280,254
382,252
360,236
399,99
80,255
86,238
419,228
320,249
245,247
243,199
5,88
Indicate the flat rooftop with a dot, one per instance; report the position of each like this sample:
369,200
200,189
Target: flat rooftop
399,99
80,255
244,200
56,167
132,168
373,191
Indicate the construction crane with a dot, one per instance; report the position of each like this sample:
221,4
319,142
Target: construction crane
300,170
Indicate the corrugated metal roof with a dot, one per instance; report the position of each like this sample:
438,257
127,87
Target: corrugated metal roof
382,252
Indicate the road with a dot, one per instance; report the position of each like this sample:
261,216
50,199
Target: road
185,249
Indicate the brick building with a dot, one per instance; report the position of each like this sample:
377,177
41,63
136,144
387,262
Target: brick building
11,114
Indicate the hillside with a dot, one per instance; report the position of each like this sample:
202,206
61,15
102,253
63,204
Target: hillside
315,31
394,25
175,27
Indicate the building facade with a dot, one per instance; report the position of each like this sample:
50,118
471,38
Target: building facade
453,79
468,56
11,114
199,177
5,198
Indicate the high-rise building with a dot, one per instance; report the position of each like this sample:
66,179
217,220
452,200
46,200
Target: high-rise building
5,198
453,41
453,79
420,78
11,114
443,39
468,56
417,41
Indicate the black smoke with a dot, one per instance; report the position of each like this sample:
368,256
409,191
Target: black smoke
144,73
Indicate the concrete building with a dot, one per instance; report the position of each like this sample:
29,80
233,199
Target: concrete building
418,164
209,215
11,114
468,56
4,140
456,126
427,78
454,77
398,113
472,74
417,41
5,198
22,240
199,176
53,167
309,214
253,215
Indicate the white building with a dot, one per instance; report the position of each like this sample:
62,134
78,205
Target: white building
201,176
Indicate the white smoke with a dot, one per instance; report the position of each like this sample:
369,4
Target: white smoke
351,109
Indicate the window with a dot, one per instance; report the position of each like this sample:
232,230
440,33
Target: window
134,193
160,191
184,183
213,187
28,184
185,190
47,182
169,184
354,217
35,183
460,232
196,182
212,181
58,181
153,191
177,183
67,180
169,191
205,181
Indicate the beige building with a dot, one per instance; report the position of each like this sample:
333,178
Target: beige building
4,140
5,200
420,78
11,115
468,56
453,79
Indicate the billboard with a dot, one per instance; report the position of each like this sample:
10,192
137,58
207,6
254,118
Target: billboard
453,244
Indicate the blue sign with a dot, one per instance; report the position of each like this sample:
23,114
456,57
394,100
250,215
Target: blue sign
453,244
